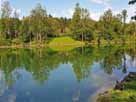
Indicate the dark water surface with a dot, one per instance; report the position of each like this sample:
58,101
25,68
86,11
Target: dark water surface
44,75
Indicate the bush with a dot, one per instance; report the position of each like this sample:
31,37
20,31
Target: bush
16,41
4,42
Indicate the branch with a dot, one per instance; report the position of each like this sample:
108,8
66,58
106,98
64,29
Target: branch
132,2
134,17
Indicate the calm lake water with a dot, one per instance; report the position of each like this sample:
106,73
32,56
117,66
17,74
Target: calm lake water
46,75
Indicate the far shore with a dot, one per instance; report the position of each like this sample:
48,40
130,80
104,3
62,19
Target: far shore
44,45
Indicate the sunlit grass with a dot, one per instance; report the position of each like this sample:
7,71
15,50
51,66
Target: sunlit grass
64,44
61,41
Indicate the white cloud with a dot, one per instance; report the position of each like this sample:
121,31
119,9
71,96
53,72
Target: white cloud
95,15
18,11
0,3
100,1
64,13
13,9
70,12
106,4
131,11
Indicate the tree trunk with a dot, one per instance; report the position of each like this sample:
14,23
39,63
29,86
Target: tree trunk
37,38
99,41
40,38
82,37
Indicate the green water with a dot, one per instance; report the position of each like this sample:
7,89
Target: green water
44,75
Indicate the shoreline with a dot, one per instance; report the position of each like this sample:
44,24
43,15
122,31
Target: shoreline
120,86
44,45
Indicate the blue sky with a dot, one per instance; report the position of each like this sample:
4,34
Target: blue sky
65,8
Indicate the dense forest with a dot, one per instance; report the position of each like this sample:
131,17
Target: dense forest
40,27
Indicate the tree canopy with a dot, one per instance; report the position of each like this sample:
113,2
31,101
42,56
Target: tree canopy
40,27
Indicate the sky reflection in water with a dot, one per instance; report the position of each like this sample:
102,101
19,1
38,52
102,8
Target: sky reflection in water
75,76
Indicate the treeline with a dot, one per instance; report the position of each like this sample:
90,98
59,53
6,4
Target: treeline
41,27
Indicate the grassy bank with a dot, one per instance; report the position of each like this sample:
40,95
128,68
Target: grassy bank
124,91
65,41
64,44
61,43
56,44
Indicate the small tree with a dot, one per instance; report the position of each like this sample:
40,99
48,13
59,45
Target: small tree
39,22
6,9
124,17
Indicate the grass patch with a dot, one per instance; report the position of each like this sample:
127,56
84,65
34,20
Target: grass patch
64,41
64,44
119,96
128,94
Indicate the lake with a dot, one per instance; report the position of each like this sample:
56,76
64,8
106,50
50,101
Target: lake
47,75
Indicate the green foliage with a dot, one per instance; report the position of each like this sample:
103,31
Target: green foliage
82,24
16,41
61,41
4,42
6,10
40,27
127,95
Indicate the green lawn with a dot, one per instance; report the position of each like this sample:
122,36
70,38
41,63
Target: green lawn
64,44
64,41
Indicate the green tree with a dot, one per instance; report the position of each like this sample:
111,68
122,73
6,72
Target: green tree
5,24
15,14
124,17
6,9
76,20
81,24
63,24
25,31
87,25
39,22
106,21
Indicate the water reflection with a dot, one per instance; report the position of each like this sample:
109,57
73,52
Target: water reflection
39,75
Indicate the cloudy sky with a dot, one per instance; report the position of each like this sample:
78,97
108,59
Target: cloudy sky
65,8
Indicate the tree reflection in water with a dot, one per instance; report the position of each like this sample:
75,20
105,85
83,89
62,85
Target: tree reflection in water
39,63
